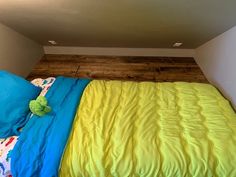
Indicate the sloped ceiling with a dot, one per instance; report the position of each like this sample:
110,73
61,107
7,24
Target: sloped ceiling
120,23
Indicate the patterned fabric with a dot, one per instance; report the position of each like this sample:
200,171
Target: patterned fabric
44,83
6,145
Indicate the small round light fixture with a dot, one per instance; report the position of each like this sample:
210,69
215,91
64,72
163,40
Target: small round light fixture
177,44
52,42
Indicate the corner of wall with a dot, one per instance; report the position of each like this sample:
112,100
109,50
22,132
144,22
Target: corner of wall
216,58
18,54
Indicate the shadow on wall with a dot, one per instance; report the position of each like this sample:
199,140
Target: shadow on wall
18,54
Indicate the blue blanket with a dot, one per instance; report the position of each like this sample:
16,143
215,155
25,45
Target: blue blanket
41,144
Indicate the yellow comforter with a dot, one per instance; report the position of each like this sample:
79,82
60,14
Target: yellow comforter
149,129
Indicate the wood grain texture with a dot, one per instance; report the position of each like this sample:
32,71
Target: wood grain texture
159,69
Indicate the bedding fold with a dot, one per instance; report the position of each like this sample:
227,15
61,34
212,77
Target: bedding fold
41,143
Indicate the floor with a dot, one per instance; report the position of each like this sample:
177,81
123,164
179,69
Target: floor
159,69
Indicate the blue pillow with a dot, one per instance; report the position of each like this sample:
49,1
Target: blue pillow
15,95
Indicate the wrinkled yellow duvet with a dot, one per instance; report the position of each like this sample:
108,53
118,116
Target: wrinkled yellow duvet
149,129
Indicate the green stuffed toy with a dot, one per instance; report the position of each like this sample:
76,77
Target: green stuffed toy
39,106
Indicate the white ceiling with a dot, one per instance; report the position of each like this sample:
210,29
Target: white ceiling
120,23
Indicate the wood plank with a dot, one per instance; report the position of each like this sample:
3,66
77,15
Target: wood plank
159,69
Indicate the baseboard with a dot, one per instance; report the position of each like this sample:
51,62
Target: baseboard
165,52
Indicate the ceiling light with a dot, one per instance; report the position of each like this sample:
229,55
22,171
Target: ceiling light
52,42
177,44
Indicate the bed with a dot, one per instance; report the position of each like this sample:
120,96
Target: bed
121,128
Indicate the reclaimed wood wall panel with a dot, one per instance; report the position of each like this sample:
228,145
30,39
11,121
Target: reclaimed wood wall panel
159,69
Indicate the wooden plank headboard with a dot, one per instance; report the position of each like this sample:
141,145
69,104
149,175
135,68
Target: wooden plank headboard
120,68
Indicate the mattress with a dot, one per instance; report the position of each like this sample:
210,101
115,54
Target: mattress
151,129
7,145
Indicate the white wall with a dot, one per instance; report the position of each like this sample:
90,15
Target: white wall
217,59
120,51
18,54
